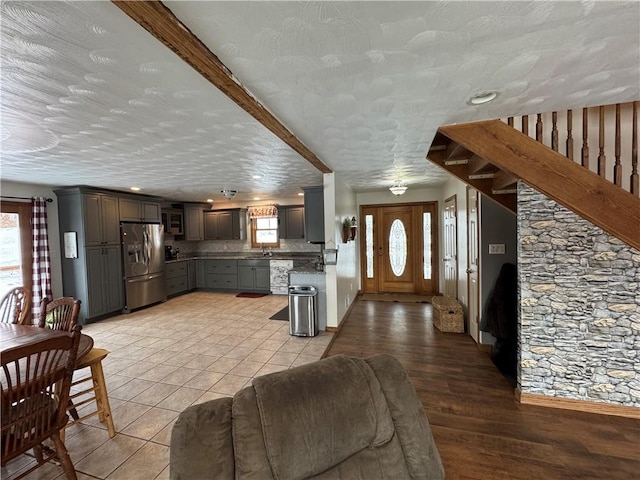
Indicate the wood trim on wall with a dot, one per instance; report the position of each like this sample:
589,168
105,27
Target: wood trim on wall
577,405
160,22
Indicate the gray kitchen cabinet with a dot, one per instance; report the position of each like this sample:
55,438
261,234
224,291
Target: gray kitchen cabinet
139,210
291,218
193,223
221,274
201,273
191,274
94,276
98,218
104,281
225,224
254,275
177,277
314,214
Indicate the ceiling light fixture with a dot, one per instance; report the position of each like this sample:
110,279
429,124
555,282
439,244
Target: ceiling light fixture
482,98
398,187
228,193
135,189
257,177
301,194
256,198
210,200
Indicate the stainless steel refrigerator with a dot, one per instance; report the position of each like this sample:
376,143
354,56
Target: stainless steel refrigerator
143,251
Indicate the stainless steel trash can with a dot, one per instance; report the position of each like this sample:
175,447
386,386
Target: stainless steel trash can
303,316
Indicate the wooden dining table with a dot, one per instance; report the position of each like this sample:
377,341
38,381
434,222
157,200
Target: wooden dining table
12,335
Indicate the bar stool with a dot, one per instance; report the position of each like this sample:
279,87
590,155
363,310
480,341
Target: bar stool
96,391
63,315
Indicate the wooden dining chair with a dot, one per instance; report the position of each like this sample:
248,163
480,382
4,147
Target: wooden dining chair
62,314
15,306
59,314
35,382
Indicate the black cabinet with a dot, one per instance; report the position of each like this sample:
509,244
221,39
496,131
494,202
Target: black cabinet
225,224
254,275
172,219
291,218
314,214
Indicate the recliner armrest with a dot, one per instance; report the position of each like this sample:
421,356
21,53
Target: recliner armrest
201,442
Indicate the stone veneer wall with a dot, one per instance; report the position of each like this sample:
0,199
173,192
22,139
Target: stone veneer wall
579,325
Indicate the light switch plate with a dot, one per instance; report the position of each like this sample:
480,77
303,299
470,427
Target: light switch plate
496,249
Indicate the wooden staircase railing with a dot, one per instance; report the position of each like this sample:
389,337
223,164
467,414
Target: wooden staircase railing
614,127
492,155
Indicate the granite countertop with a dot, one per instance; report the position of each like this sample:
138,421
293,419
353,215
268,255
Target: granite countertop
307,271
247,256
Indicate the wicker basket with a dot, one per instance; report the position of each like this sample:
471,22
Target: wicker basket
447,314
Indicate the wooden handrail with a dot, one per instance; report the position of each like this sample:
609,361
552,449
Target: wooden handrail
619,121
584,192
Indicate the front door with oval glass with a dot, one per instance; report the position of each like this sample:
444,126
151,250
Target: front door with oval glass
399,251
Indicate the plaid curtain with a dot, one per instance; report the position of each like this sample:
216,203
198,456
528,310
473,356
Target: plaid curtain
40,254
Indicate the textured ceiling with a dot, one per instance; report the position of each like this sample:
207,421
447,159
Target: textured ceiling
89,97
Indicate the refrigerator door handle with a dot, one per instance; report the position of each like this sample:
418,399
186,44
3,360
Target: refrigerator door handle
144,278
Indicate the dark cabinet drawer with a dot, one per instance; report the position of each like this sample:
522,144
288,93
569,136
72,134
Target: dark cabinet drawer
176,269
177,285
221,281
222,267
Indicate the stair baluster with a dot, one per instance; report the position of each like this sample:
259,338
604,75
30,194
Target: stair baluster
617,168
602,159
634,181
554,131
525,124
569,134
585,138
539,128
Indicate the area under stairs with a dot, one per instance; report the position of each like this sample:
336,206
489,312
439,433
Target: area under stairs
491,156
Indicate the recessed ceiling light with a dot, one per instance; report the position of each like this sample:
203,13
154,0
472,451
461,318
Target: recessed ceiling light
210,200
301,194
256,198
135,189
482,97
256,177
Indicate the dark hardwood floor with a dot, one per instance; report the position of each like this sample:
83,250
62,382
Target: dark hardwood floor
480,429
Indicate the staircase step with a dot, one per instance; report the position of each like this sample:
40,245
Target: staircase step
456,162
503,180
481,165
503,191
479,176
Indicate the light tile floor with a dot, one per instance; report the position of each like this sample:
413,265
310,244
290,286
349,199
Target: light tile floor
191,349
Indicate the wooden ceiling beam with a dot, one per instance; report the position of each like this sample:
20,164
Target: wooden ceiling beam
160,22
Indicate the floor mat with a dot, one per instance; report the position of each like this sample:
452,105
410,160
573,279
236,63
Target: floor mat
251,295
396,297
281,315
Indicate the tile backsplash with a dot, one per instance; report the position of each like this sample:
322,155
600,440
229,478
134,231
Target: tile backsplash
213,246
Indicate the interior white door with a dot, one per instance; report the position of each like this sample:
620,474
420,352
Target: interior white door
450,257
473,265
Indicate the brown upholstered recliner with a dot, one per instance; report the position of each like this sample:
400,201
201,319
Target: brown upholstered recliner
338,418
